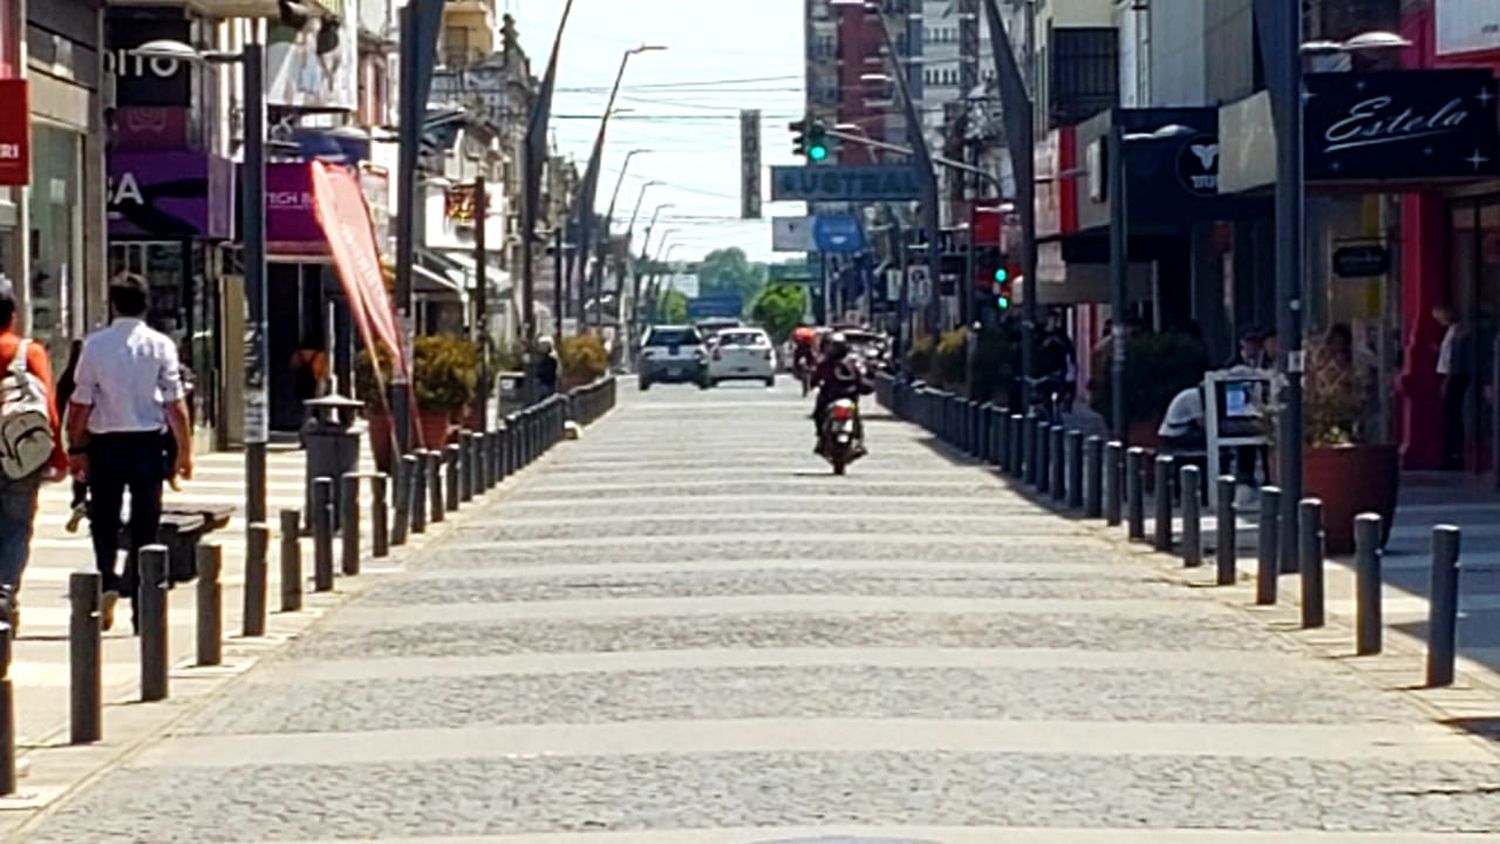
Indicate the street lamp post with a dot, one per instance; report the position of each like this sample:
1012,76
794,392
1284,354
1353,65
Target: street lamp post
609,217
1119,255
257,351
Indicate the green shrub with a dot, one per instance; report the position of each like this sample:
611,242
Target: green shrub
445,373
583,359
953,356
1157,368
919,357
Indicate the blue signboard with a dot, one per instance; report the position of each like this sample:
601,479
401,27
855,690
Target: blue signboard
712,306
865,183
840,233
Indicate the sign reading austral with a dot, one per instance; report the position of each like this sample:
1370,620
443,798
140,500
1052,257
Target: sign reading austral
874,183
1402,125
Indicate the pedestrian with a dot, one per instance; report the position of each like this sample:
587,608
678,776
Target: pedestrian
546,368
31,451
126,419
309,367
1455,369
66,383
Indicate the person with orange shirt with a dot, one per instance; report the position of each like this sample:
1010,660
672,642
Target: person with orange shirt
18,496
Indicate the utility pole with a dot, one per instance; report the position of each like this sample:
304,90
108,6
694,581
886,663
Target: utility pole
482,294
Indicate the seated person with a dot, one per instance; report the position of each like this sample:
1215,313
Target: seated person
1182,430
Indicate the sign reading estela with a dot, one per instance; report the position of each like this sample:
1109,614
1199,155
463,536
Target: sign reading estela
1399,125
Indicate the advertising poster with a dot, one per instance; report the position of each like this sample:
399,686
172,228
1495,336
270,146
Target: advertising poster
313,64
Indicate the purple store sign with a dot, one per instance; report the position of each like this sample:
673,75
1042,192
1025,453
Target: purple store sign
291,227
172,194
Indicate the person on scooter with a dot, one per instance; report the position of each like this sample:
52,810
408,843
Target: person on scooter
839,375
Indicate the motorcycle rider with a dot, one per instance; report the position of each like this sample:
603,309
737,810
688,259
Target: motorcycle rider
839,375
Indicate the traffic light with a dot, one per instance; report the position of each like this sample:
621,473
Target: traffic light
817,143
995,276
810,139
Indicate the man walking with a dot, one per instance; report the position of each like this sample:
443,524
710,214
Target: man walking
1456,371
128,429
31,444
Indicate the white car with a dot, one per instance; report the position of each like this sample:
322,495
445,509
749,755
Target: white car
742,354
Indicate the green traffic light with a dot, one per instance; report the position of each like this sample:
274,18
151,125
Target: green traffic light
817,153
1002,302
1002,275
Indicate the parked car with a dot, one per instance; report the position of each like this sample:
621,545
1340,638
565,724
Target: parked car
742,354
673,354
711,327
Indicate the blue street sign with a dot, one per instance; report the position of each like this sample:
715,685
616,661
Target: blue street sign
840,233
712,306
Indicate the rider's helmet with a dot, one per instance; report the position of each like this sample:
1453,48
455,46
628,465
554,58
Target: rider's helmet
838,345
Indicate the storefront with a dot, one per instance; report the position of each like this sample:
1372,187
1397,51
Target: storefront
1386,153
169,216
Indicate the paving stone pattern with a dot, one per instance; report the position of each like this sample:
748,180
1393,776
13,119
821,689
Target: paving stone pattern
706,487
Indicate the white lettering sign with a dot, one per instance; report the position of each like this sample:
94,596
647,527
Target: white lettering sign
125,189
1372,123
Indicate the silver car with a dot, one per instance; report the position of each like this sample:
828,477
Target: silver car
673,354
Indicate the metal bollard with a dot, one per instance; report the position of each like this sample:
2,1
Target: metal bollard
483,453
380,517
85,670
257,543
291,561
1093,479
1114,486
349,525
1442,621
453,458
1227,533
155,656
1074,485
322,521
1135,493
1000,430
1192,517
433,463
1310,560
1059,481
466,467
1368,613
8,778
1162,539
1016,426
504,451
406,498
1029,471
1269,546
210,605
1043,456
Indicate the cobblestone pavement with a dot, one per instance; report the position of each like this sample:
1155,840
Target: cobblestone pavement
682,629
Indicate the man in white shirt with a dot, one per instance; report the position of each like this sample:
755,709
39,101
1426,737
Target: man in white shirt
128,426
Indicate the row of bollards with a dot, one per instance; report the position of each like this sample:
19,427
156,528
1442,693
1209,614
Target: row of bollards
476,463
1107,480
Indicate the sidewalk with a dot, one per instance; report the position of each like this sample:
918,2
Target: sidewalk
40,670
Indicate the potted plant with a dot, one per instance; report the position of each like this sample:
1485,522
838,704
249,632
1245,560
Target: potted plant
445,378
1157,368
1341,467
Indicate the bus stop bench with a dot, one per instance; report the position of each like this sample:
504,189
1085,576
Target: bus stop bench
182,528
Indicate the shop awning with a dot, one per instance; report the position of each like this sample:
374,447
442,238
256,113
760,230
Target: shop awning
429,283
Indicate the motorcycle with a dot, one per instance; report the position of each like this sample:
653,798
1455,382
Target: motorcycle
841,441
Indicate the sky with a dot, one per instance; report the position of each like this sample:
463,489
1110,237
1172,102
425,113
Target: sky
721,57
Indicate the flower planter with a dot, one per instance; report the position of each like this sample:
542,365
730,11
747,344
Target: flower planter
1351,480
435,427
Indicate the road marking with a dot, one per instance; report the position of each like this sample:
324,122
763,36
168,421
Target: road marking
1400,742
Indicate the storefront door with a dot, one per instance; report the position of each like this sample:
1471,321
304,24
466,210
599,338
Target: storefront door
1475,297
